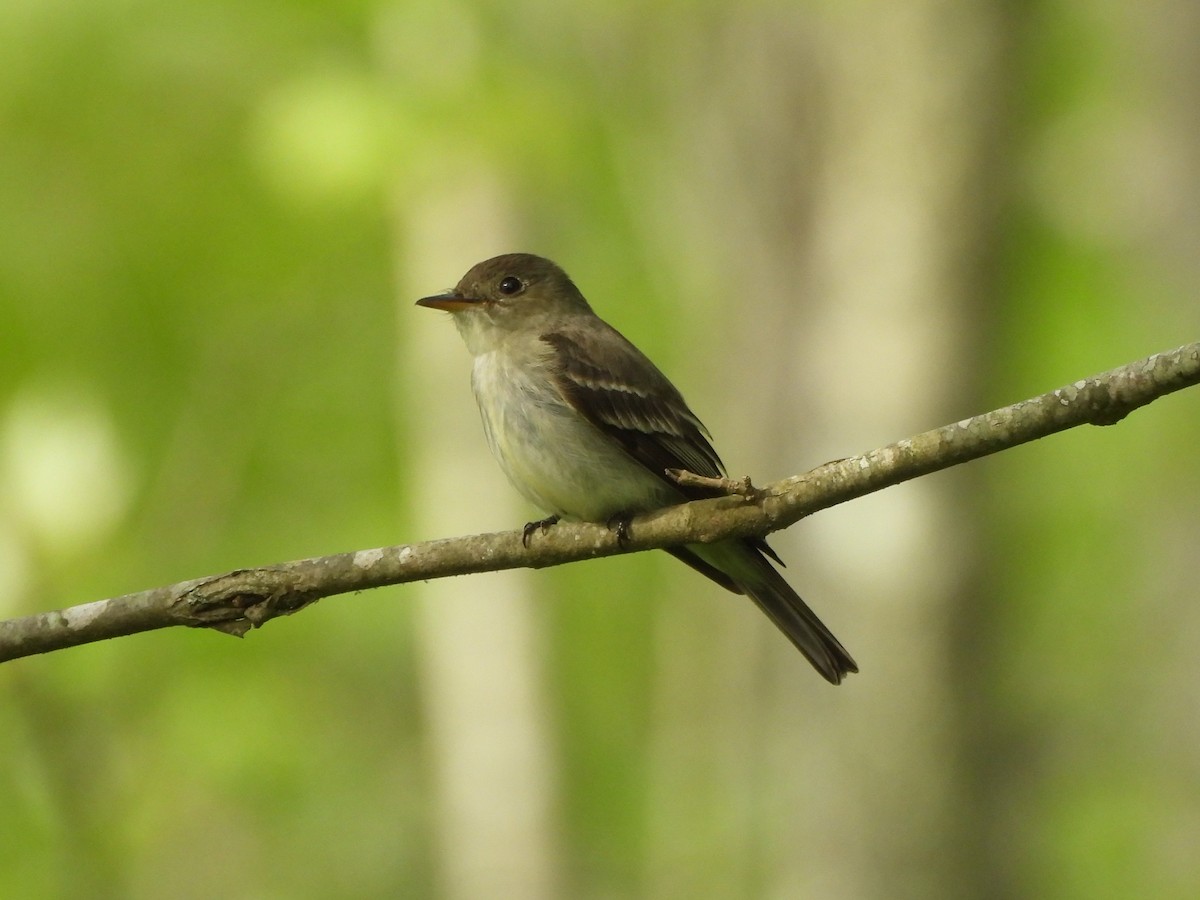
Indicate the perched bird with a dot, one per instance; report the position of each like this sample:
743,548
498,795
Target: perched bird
585,428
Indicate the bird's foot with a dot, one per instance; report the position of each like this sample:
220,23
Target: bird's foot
541,524
619,525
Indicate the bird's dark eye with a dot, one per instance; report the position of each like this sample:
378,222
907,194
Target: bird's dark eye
511,285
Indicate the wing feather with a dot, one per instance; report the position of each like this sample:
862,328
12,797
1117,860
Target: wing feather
616,388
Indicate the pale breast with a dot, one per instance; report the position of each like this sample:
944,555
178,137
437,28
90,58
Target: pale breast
557,459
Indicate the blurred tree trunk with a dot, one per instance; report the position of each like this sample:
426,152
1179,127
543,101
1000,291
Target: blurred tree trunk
491,770
835,160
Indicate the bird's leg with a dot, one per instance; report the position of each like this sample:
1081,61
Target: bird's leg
619,524
531,527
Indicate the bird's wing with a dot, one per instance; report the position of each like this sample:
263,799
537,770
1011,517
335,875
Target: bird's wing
612,385
616,388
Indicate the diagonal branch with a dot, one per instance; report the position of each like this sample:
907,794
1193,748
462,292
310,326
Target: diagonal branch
237,601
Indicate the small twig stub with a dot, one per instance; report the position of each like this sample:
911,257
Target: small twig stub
741,487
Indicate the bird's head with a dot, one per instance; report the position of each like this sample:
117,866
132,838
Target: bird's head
514,293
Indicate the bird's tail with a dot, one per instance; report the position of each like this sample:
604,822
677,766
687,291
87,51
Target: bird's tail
748,571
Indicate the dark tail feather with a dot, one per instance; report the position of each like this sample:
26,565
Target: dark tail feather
741,567
792,616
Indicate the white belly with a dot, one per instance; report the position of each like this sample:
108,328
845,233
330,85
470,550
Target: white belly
555,458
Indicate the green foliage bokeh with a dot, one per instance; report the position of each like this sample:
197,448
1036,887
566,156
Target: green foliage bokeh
198,333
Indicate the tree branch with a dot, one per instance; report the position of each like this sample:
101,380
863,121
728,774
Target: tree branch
246,598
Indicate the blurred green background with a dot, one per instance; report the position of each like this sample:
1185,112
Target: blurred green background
833,225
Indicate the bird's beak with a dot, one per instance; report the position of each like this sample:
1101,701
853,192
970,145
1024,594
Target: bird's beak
449,301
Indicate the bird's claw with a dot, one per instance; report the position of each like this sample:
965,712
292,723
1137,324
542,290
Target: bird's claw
541,524
619,524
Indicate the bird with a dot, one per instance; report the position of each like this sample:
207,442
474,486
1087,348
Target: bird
585,427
